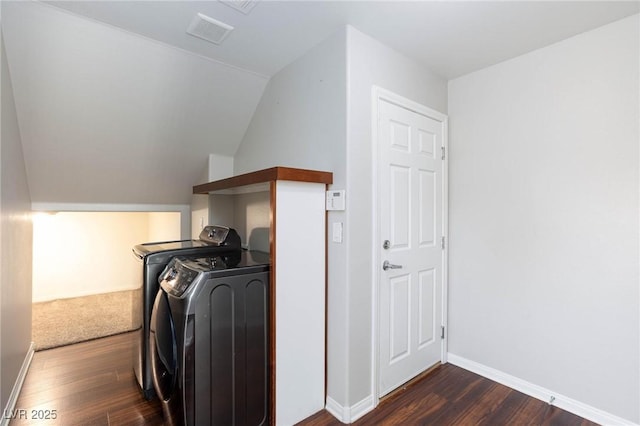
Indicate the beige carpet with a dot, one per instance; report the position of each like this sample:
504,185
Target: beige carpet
66,321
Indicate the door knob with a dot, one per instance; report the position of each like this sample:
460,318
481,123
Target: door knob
386,265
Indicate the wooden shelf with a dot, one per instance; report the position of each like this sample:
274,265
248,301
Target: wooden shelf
265,176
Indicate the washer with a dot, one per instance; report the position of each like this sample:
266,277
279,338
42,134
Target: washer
209,340
154,258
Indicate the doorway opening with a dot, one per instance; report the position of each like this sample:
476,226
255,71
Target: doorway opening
84,275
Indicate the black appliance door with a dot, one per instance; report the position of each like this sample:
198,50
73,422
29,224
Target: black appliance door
163,348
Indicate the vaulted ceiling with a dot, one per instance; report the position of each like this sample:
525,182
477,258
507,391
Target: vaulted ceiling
107,116
117,104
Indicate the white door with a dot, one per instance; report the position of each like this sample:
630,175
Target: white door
410,204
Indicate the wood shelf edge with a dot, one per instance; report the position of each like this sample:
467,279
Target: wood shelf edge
265,175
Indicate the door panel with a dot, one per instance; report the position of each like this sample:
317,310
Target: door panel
400,317
427,203
400,136
410,203
427,305
400,206
427,143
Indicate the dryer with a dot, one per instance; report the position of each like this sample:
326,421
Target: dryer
209,340
154,257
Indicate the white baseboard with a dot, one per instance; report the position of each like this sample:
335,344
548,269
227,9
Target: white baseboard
337,410
361,408
350,414
571,405
17,387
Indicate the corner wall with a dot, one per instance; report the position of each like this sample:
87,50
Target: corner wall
300,119
316,113
301,122
544,185
15,244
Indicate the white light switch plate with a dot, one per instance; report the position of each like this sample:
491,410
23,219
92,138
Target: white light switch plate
337,232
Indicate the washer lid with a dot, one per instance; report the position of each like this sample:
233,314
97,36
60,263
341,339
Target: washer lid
142,250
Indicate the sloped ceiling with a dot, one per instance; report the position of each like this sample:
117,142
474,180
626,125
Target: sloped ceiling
107,116
117,104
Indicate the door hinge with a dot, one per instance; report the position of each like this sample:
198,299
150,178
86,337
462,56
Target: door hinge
442,148
442,243
442,331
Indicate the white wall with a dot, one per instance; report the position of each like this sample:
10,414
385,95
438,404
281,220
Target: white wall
163,226
369,63
199,214
544,218
15,243
300,120
214,209
200,206
95,254
252,219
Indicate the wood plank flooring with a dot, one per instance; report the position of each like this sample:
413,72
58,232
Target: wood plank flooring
450,395
92,383
89,383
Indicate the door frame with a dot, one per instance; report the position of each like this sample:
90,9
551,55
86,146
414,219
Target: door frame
380,94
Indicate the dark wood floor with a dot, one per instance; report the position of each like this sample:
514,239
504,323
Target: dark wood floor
450,395
92,383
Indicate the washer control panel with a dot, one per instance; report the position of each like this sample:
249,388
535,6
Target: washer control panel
176,277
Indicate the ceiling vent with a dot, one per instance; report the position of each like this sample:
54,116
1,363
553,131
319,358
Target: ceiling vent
243,6
209,29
